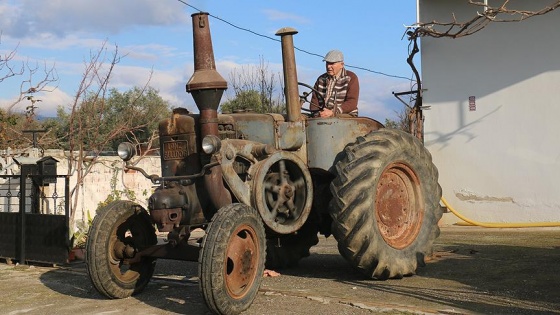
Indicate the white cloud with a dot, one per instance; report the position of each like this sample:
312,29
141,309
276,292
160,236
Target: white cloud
47,40
169,83
28,18
152,52
376,98
47,104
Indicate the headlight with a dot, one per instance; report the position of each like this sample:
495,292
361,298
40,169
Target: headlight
211,144
126,151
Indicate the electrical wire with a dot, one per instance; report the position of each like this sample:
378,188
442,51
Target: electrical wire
296,48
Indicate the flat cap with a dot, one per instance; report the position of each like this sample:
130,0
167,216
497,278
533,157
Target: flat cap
334,56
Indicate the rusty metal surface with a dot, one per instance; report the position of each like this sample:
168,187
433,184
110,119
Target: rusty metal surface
290,73
205,75
399,206
242,261
166,219
178,145
186,251
236,152
282,192
174,205
256,127
271,129
206,86
291,135
327,137
175,150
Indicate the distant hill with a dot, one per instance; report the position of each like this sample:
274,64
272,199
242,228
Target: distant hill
43,118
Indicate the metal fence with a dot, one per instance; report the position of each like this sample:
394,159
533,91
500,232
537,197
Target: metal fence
34,217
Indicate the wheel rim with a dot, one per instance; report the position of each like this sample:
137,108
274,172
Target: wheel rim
242,259
399,207
121,246
284,197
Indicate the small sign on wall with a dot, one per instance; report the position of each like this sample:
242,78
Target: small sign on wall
472,103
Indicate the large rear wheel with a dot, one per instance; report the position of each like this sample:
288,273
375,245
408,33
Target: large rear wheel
231,262
385,205
118,232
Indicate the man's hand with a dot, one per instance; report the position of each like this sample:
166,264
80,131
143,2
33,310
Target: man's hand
326,113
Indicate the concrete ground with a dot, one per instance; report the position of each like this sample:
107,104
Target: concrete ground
473,271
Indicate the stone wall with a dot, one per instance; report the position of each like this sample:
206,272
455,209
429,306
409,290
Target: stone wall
106,177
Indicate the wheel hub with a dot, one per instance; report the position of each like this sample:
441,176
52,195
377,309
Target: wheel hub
242,261
399,205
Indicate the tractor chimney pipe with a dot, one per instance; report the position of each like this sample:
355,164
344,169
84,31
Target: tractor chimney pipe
206,87
293,107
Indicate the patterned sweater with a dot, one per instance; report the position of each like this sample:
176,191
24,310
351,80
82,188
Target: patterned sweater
343,96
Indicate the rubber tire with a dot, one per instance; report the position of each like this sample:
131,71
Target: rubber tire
352,208
292,247
213,260
98,259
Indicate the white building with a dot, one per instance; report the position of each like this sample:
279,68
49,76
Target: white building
493,125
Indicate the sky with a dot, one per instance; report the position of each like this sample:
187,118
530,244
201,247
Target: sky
154,39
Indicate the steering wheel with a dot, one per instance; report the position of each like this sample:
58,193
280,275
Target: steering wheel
303,98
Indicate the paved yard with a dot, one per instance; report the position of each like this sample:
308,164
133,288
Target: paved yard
473,271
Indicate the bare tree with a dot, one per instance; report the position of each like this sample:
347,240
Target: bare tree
256,79
34,78
28,72
486,15
89,131
7,69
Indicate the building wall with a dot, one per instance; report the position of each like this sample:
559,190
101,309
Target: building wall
501,161
96,186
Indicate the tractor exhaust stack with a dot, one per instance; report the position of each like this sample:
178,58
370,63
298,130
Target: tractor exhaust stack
206,87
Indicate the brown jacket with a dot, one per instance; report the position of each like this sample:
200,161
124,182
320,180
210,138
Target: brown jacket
344,98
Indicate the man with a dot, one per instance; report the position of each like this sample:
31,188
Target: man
339,87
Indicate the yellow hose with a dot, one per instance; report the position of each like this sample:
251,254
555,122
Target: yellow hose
498,225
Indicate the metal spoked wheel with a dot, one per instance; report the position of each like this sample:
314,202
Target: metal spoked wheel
284,198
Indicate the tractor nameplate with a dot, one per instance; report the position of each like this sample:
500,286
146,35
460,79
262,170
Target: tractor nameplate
175,150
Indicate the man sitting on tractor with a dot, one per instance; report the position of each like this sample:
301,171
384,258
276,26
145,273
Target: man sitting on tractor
339,88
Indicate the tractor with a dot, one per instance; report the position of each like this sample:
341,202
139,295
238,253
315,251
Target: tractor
241,191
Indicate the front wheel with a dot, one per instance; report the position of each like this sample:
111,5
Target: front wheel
118,232
385,205
231,262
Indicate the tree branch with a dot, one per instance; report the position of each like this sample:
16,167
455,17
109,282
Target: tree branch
488,14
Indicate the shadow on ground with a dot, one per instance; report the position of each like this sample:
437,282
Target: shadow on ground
501,278
173,288
491,273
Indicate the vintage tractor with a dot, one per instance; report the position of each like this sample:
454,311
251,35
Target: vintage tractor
244,190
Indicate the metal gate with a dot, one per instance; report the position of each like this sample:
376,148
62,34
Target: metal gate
34,217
